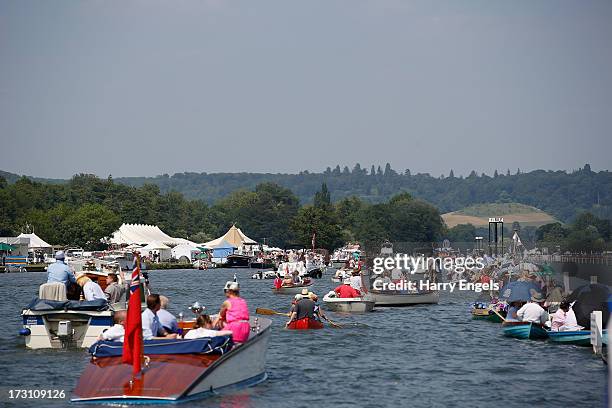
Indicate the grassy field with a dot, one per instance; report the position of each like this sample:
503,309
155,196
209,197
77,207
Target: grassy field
478,215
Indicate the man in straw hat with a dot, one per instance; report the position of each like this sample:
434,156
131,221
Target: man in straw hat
304,308
532,311
91,290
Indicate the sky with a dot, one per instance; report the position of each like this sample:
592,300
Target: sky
146,87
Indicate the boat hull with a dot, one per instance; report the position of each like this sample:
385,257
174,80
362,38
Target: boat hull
407,299
237,261
524,330
345,305
291,290
42,325
305,324
178,377
480,314
576,338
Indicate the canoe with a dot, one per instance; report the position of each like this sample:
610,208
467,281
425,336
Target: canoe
291,290
404,299
524,330
177,371
305,324
348,305
576,338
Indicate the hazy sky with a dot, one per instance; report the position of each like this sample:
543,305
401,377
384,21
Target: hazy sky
146,87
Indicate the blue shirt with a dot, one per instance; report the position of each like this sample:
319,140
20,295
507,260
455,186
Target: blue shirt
59,272
167,321
150,325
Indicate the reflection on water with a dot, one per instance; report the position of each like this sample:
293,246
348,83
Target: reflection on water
421,356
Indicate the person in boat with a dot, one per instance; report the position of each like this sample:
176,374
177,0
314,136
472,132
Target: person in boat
117,331
278,281
318,312
288,280
91,289
59,271
204,328
166,319
114,292
564,319
151,327
346,290
304,308
532,311
234,313
356,281
513,307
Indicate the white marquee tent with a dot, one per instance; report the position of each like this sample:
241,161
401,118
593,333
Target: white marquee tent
35,241
185,250
142,234
164,250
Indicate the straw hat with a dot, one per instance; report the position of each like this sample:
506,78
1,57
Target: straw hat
537,298
304,292
81,277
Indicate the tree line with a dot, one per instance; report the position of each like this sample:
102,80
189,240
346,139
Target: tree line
86,209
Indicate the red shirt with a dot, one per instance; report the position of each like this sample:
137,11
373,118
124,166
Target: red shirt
347,291
278,282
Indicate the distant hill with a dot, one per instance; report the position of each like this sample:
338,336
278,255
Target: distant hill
559,193
478,215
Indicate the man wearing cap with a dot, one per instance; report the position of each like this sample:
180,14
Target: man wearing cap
532,312
59,271
346,290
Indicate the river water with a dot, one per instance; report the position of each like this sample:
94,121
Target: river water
420,356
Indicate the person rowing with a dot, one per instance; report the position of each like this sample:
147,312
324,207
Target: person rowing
304,308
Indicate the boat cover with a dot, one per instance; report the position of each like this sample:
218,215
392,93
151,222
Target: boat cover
40,305
204,345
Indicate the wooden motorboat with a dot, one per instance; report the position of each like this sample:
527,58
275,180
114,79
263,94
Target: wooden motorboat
293,289
524,330
305,324
177,370
348,305
237,261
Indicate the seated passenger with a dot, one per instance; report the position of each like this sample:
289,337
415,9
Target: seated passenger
117,331
234,313
114,292
91,290
532,312
513,307
278,282
346,290
304,308
151,327
166,319
564,319
59,271
204,328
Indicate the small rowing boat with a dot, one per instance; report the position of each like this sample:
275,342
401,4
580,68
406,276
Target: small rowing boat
292,289
574,337
305,324
349,305
524,330
480,313
175,370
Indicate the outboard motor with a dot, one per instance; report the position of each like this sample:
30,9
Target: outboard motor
65,332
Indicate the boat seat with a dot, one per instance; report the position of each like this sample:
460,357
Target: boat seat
52,291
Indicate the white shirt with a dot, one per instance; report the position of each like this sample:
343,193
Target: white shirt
93,291
150,325
532,312
356,282
115,333
201,332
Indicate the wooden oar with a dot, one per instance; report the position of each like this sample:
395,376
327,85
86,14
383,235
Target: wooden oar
264,311
500,316
332,323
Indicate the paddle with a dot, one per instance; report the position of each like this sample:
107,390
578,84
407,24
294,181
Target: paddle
500,316
264,311
332,323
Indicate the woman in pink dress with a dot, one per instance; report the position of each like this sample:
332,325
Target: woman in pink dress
234,314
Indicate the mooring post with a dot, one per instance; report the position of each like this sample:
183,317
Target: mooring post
596,340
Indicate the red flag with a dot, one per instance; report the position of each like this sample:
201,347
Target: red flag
132,344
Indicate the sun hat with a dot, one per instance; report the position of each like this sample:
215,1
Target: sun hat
537,298
231,285
60,256
304,292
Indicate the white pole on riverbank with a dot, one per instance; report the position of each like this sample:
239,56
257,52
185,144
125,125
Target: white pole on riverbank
596,332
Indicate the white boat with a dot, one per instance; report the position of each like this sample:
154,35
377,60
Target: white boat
264,275
349,305
177,370
64,324
404,299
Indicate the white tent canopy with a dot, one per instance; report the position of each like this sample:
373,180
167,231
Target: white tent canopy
35,241
233,236
164,250
185,250
142,234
